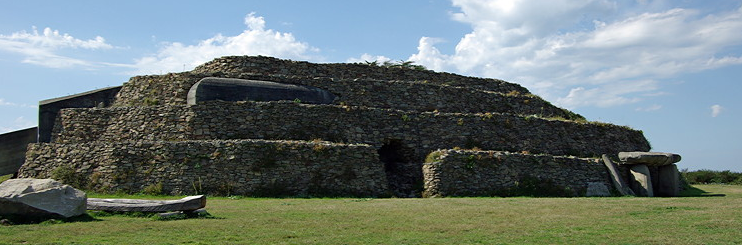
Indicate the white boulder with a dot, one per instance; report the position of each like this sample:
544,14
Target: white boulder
41,197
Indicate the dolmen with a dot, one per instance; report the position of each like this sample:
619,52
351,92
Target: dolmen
650,174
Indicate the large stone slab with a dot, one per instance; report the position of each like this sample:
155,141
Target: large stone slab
231,89
618,182
641,180
668,184
40,198
648,158
189,203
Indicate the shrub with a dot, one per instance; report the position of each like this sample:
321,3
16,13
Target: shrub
705,176
67,175
434,156
153,189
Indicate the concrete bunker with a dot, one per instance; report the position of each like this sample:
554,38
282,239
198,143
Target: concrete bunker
232,89
13,149
49,109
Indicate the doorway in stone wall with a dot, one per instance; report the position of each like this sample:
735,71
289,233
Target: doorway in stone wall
404,176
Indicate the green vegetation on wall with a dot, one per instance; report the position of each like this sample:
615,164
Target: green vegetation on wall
5,177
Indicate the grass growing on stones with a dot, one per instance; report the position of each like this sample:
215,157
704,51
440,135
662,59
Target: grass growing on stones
705,218
5,177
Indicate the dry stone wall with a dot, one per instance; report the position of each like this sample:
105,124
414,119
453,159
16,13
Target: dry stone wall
494,173
271,66
385,121
216,167
424,132
172,89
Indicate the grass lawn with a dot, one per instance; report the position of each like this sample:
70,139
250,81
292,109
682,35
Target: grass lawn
624,220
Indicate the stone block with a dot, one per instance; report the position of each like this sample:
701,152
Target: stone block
648,158
669,181
230,89
597,189
641,181
41,198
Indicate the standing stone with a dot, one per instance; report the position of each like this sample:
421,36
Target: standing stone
669,181
597,189
41,198
642,181
618,182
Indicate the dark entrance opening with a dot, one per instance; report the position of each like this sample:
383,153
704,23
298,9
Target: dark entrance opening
404,176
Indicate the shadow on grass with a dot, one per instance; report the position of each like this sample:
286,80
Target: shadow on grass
156,216
26,220
691,191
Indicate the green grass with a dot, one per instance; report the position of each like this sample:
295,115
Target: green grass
5,177
706,218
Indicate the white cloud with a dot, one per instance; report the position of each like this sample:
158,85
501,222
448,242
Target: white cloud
255,40
429,55
716,110
17,124
6,103
583,53
607,95
369,58
654,107
41,48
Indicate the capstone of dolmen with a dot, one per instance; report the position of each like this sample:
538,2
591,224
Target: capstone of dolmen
649,158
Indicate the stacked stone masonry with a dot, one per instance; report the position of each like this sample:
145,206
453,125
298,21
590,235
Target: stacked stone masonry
422,131
372,141
493,173
216,167
429,91
271,66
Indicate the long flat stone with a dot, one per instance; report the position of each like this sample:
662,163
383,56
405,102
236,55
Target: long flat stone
648,158
137,205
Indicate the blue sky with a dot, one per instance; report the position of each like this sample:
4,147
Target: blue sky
669,68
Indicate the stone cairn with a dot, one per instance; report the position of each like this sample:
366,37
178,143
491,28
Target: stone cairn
261,126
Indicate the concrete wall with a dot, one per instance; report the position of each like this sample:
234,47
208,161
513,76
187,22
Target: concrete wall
13,149
48,109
